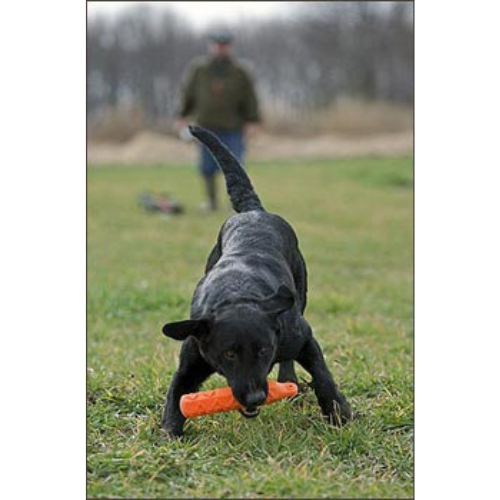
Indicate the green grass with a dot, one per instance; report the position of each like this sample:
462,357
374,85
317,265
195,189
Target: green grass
354,219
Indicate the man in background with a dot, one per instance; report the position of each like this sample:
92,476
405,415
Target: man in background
219,94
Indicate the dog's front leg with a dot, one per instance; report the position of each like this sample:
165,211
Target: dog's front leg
192,371
332,402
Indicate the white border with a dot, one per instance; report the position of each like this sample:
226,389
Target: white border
457,249
43,207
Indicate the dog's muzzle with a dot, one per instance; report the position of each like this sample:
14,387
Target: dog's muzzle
252,403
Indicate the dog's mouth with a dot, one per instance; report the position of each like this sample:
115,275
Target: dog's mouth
250,412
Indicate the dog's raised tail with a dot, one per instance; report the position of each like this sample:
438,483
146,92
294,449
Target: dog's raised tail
239,188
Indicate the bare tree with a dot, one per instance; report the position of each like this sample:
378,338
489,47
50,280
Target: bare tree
322,51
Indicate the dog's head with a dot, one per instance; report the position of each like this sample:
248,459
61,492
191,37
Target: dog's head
239,341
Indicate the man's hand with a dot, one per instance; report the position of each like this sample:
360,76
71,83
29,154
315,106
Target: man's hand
180,124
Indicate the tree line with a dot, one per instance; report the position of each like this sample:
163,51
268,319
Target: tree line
302,60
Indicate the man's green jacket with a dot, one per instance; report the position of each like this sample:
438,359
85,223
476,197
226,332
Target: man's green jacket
218,94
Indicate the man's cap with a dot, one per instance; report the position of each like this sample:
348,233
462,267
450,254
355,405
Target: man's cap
221,37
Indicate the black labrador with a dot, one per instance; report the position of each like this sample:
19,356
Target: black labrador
247,311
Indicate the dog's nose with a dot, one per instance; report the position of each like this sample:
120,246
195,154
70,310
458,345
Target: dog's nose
255,398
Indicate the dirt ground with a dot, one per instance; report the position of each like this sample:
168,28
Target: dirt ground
148,148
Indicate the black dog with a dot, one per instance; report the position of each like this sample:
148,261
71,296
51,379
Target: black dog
246,312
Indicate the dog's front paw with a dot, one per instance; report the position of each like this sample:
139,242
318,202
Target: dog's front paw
172,429
170,434
341,414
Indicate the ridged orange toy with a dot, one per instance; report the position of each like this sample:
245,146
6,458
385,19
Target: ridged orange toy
219,400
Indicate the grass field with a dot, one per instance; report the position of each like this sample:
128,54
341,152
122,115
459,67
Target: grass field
354,219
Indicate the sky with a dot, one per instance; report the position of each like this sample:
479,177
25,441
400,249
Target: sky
199,14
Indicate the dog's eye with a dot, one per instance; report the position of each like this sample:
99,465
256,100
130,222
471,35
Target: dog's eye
229,354
262,351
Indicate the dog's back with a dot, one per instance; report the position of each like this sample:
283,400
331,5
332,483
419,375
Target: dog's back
256,251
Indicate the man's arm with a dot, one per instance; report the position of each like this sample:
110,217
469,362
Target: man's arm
187,100
250,108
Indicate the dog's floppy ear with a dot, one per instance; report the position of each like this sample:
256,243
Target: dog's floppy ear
281,301
181,330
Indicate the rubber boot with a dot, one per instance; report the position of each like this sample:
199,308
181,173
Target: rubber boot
211,190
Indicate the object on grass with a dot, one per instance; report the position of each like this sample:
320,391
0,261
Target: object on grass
219,400
162,203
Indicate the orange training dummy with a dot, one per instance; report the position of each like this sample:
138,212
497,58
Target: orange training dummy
218,400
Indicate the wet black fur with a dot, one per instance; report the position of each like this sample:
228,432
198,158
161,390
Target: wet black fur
247,311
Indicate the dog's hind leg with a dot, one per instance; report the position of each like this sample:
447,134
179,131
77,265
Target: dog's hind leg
286,372
192,372
332,402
